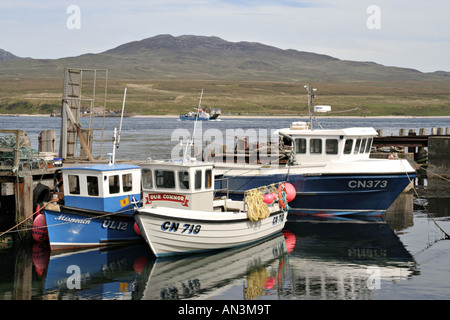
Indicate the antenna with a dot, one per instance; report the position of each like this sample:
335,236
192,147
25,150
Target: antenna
311,94
195,126
116,136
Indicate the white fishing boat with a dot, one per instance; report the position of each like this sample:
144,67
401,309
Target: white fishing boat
180,215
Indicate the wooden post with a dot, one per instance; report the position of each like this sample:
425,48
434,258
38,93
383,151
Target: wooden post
24,202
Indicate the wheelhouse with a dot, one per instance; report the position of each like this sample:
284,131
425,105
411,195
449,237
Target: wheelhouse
323,146
108,188
177,185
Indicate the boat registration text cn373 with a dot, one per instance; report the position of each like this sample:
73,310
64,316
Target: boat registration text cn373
367,184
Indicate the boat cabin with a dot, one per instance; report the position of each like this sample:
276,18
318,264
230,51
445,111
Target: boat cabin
322,146
188,186
102,187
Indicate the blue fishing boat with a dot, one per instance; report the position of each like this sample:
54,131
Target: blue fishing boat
331,170
98,209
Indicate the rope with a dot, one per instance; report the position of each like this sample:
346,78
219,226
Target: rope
39,209
257,209
447,236
57,224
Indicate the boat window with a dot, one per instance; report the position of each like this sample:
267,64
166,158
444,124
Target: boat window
348,146
165,179
300,145
331,146
208,178
92,185
357,144
114,184
198,179
363,145
369,145
74,184
183,178
315,146
146,178
127,182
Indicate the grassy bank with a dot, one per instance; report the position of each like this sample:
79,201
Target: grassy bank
164,97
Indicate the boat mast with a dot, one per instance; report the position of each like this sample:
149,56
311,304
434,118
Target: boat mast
311,94
195,126
116,137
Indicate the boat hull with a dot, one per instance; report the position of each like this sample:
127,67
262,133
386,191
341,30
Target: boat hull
73,229
170,234
349,194
193,118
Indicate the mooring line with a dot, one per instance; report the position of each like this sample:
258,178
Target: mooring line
39,209
447,236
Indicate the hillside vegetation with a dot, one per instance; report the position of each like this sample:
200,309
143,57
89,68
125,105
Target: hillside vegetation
165,74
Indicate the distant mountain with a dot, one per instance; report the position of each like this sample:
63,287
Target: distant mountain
5,55
204,58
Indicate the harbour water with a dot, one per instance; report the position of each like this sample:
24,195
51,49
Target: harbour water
406,257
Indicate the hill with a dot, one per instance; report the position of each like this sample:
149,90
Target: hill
5,55
198,57
165,75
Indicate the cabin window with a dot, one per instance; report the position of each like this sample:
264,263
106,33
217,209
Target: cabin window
208,179
198,179
146,178
363,145
348,146
183,178
127,182
369,145
331,146
300,145
114,184
74,184
315,146
165,179
92,185
357,144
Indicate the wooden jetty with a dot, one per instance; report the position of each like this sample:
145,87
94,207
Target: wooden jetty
411,143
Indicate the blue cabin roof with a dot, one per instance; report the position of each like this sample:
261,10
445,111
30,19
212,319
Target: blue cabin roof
104,167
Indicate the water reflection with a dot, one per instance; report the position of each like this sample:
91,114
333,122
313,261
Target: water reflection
312,259
345,259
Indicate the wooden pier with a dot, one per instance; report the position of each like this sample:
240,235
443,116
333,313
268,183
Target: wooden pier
411,143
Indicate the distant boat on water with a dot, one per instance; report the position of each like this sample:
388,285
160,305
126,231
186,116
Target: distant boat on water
201,113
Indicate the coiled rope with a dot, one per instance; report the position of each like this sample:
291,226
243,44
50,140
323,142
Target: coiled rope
257,209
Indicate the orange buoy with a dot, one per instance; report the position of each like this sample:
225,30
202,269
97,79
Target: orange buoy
289,191
39,232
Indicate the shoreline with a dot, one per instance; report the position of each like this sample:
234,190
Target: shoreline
244,116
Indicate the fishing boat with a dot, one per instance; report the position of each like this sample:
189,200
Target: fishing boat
98,208
201,113
330,169
180,215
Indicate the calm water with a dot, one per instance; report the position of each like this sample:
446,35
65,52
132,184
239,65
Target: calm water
404,257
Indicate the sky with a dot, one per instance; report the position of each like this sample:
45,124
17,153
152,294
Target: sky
411,34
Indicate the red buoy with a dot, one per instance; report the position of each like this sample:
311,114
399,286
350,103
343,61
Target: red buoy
39,231
136,229
269,197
